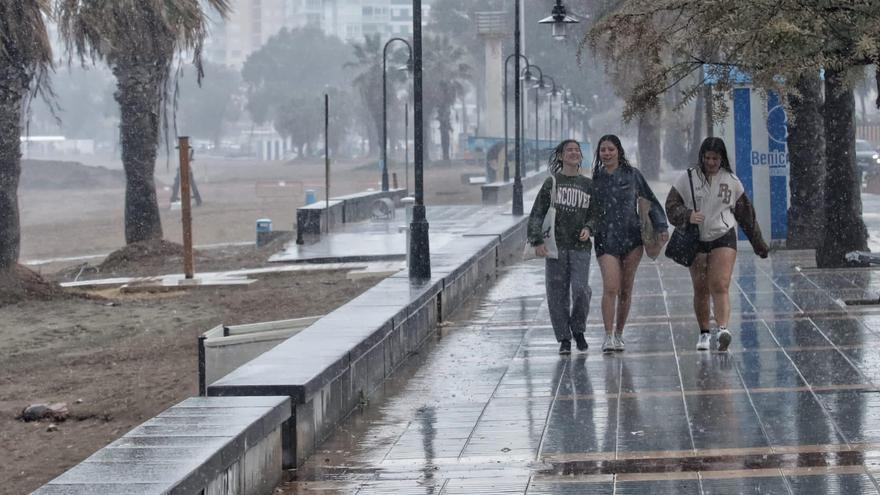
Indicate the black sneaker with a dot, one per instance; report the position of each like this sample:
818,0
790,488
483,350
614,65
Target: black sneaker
565,347
581,342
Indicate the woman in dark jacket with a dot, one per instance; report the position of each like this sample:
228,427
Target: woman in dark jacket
618,238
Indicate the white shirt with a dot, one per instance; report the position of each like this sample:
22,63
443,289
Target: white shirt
715,199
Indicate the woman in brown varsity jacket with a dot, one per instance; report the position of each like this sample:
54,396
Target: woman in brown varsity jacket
721,204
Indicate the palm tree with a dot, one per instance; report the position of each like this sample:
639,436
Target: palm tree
368,63
445,63
138,39
25,59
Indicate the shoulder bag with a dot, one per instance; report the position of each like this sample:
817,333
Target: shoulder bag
682,246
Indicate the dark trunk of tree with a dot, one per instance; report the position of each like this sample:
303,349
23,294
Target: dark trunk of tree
444,118
844,229
139,94
806,151
13,89
649,143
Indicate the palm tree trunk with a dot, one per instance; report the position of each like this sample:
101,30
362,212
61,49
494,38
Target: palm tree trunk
806,141
444,118
138,92
844,229
13,89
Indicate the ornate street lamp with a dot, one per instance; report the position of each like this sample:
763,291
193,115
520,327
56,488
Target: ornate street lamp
385,107
517,203
539,85
419,248
551,94
560,19
506,154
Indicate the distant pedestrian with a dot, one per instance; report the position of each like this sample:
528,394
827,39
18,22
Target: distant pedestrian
721,204
619,246
567,275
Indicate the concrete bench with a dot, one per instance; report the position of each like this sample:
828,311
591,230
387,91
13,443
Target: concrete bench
330,367
312,220
495,193
201,445
317,217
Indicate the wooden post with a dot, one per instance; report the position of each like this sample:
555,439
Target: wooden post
185,209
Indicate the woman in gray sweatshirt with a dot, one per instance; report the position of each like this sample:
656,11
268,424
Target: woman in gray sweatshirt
618,187
567,275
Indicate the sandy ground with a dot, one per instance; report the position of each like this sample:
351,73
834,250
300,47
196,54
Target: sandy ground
118,359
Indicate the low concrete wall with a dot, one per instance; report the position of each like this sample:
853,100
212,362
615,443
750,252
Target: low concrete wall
495,193
229,445
373,334
311,220
224,348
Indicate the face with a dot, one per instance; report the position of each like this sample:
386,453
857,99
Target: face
711,162
571,154
608,153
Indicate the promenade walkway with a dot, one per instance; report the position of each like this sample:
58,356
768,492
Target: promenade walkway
490,407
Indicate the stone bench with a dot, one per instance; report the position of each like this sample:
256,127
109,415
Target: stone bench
313,219
201,445
333,365
495,193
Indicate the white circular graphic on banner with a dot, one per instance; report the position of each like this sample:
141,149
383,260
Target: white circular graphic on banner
779,135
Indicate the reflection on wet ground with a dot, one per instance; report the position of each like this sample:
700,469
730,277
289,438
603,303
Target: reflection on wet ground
489,406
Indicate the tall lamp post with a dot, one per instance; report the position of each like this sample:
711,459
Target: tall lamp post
419,249
517,203
506,154
539,85
553,92
385,109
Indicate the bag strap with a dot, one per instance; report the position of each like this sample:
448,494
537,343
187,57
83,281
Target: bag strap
691,181
553,192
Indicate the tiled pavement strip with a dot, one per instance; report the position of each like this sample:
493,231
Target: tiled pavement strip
489,406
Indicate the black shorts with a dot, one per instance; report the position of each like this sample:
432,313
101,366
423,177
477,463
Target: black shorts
728,240
618,246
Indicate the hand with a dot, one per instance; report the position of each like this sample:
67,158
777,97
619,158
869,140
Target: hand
664,236
697,217
763,251
541,251
585,235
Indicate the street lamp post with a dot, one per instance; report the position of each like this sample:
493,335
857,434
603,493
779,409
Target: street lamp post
517,206
419,249
506,154
552,94
538,87
385,111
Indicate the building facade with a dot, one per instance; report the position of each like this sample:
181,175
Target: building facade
252,22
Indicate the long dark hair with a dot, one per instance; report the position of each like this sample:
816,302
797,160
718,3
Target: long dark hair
621,155
715,144
554,164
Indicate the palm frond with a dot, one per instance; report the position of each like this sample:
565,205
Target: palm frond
24,42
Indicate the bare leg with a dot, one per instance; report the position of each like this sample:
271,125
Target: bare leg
720,268
699,277
630,265
611,269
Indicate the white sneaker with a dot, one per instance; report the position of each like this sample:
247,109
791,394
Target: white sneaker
724,339
703,343
618,342
608,344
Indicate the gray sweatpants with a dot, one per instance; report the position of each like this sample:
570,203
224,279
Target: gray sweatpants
568,292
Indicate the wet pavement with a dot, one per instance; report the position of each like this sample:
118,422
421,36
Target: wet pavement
490,407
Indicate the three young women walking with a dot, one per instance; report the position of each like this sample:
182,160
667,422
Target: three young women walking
618,236
721,204
567,276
